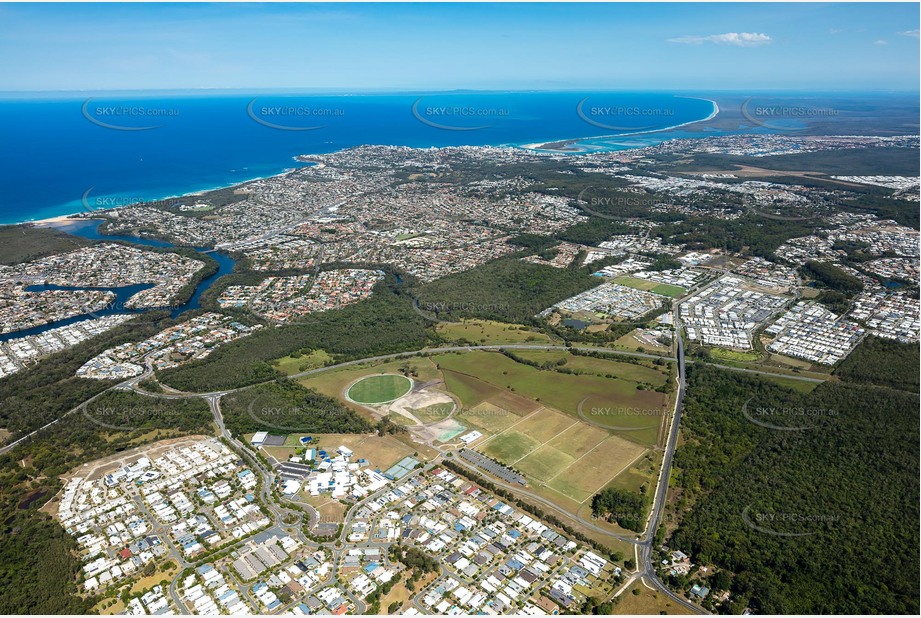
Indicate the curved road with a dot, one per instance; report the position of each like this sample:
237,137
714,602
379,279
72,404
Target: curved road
645,567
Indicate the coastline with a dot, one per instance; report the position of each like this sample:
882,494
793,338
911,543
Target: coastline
52,220
83,215
557,146
561,145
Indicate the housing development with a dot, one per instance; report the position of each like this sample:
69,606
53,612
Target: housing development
460,380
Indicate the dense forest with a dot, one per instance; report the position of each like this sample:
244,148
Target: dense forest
414,558
819,518
38,569
382,324
507,289
285,406
883,362
24,243
625,508
41,394
832,277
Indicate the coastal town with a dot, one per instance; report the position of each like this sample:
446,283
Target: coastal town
441,506
429,309
385,205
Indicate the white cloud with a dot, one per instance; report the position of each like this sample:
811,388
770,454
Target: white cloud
912,33
739,39
881,42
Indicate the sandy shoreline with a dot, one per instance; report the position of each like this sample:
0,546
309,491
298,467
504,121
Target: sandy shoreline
83,215
536,146
52,220
565,142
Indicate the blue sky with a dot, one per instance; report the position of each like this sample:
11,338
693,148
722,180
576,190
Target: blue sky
440,46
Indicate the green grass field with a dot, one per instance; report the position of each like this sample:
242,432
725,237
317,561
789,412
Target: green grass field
722,354
471,391
557,390
663,289
290,365
596,469
637,424
544,463
486,331
379,388
598,366
474,392
509,447
487,417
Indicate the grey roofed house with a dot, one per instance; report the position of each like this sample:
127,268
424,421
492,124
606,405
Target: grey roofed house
471,570
528,576
700,591
266,556
337,602
255,565
279,553
314,603
560,598
243,568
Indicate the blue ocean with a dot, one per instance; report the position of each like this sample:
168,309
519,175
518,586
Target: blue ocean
113,149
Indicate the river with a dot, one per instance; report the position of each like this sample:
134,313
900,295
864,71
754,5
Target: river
89,229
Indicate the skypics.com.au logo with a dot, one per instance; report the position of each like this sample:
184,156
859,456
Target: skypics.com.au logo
126,117
292,116
455,117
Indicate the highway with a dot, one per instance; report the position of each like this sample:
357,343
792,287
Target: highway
646,566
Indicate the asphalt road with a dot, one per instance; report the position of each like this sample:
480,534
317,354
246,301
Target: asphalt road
646,568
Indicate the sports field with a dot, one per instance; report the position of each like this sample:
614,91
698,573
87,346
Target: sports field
596,469
379,388
567,456
334,381
664,289
487,417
